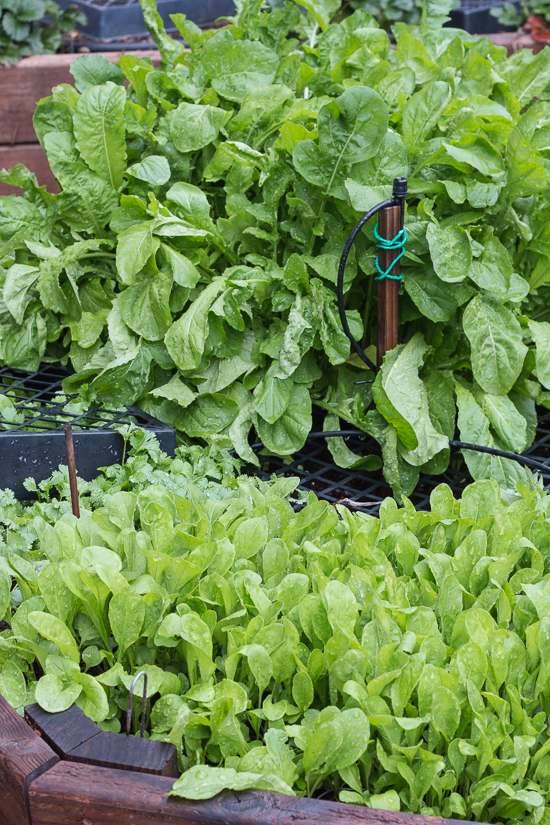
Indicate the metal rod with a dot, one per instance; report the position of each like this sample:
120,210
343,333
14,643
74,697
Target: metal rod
143,704
69,445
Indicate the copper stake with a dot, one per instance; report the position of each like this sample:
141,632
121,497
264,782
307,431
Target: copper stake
389,224
69,445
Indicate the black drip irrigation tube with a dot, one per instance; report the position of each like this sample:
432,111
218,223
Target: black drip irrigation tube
543,469
398,199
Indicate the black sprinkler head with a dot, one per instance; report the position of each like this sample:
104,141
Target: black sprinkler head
399,187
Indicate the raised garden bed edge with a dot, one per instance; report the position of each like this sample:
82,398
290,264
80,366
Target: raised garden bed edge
22,87
37,787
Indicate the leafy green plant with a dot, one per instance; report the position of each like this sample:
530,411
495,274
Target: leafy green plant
398,662
189,262
533,17
512,14
22,34
388,12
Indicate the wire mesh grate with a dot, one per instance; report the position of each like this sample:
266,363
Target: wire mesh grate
41,409
38,404
364,491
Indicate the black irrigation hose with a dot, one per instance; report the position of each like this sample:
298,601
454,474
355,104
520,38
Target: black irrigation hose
340,282
521,459
543,469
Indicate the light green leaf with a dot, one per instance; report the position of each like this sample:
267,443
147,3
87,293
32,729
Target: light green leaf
352,127
126,615
289,432
477,152
12,685
208,414
94,70
204,782
92,699
237,66
498,351
451,252
20,279
250,537
322,11
154,170
191,204
272,397
402,399
474,428
183,271
525,174
99,131
144,305
53,697
508,423
422,112
540,330
194,127
57,632
302,690
135,247
445,712
175,390
186,337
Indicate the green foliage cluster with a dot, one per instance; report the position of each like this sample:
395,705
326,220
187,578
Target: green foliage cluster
22,34
189,262
385,12
517,14
389,12
400,662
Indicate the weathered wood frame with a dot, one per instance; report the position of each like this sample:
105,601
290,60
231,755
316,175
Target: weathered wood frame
22,87
38,787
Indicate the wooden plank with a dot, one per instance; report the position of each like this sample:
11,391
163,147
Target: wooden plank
77,739
62,731
389,224
128,753
33,156
32,79
72,794
23,757
514,41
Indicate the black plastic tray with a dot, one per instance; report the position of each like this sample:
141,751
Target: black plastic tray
474,16
36,446
109,19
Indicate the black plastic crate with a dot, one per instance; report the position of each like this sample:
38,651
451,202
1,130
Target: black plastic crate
35,446
363,491
474,16
109,19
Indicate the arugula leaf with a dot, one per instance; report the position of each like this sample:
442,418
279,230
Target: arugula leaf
498,351
229,179
99,131
271,680
401,397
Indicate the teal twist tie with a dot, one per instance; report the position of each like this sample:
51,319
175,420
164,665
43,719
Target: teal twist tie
395,243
